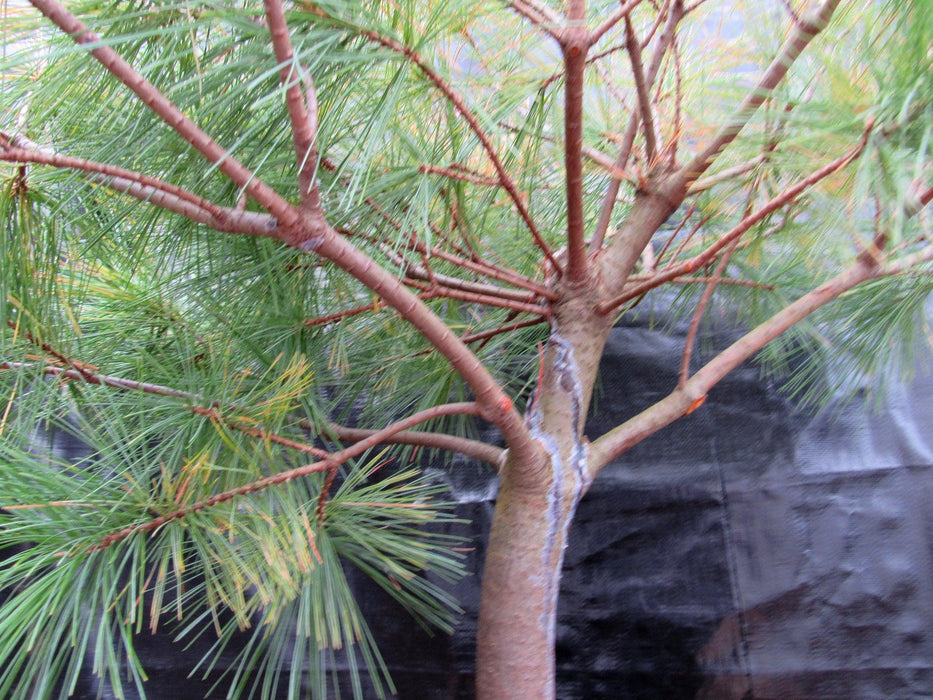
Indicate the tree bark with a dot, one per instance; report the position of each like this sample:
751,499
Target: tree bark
535,506
518,610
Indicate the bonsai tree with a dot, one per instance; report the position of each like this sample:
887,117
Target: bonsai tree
252,253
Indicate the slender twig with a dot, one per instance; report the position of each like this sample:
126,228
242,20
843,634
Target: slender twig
481,451
633,46
725,175
662,13
55,370
377,305
698,314
541,16
460,105
677,229
610,166
423,272
440,291
678,105
477,264
486,335
302,108
80,371
618,174
461,174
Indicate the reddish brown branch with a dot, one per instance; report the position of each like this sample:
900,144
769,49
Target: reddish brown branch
633,46
801,35
539,15
692,394
147,189
445,281
18,149
239,425
169,113
440,291
461,174
451,443
574,42
486,335
698,314
694,263
88,374
457,101
302,108
476,264
377,305
328,464
622,12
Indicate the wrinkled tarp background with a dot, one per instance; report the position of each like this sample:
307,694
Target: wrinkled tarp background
747,551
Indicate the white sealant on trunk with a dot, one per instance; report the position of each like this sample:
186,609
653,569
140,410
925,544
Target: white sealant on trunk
560,510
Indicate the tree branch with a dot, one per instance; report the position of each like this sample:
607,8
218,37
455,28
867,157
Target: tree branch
698,314
461,174
633,46
451,443
195,403
694,263
574,42
328,464
169,113
302,108
434,291
543,17
620,13
691,395
148,189
801,35
725,175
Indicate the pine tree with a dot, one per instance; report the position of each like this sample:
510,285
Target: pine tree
252,254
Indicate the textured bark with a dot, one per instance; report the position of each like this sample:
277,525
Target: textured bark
535,506
520,585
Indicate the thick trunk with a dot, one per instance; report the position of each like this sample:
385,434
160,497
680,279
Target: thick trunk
536,503
518,611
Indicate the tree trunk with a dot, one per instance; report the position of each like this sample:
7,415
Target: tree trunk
518,610
535,506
